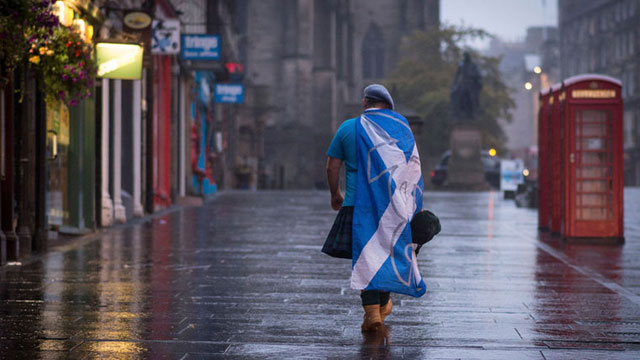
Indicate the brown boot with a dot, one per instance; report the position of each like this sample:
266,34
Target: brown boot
385,310
371,318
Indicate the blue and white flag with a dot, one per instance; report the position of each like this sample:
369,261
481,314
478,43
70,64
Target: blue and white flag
388,195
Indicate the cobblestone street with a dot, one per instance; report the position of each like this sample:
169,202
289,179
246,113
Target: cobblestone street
243,277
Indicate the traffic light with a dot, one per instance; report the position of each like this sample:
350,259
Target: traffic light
235,71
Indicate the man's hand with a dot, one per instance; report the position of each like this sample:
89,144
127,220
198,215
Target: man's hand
333,177
336,200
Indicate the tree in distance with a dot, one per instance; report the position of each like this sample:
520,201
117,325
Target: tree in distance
422,81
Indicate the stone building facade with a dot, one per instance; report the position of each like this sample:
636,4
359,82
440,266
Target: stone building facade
310,60
601,36
517,67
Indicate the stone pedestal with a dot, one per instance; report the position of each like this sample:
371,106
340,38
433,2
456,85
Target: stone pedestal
465,170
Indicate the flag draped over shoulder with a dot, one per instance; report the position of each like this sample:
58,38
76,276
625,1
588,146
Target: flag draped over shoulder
388,195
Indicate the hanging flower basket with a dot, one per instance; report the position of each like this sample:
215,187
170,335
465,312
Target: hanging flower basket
58,53
66,65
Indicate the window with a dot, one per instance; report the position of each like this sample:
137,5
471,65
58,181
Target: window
373,53
629,140
594,165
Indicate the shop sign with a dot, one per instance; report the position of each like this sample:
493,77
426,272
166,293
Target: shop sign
119,61
229,93
165,39
200,47
593,94
137,20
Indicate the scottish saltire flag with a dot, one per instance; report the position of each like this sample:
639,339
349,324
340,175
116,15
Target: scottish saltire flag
388,195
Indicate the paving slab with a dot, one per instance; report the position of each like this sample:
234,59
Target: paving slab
242,276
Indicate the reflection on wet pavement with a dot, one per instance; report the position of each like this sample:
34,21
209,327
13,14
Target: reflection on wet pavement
243,277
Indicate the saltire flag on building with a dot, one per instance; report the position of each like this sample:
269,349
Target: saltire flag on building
388,195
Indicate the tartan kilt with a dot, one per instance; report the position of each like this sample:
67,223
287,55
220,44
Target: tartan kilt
338,243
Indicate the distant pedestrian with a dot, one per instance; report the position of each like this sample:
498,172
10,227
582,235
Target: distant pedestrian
383,192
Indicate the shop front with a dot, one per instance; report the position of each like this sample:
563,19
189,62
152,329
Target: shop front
71,142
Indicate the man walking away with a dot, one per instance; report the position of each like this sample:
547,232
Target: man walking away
382,132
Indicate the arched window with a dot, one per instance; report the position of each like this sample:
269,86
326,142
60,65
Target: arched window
373,53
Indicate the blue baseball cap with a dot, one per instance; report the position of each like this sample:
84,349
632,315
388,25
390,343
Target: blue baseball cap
379,93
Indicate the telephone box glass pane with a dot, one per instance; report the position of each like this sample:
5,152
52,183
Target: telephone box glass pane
593,165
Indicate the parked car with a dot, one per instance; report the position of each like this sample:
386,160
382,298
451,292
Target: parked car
491,165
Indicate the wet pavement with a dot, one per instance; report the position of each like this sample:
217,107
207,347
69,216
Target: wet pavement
243,277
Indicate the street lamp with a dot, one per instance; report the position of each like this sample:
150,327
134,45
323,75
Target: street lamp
537,69
528,85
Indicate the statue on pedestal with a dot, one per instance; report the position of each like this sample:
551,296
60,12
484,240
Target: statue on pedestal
465,170
465,91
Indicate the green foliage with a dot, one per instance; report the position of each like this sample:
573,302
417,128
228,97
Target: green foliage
422,81
15,17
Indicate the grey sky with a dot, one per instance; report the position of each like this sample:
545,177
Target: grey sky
507,19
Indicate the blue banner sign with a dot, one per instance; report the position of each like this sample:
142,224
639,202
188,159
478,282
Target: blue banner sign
200,47
229,93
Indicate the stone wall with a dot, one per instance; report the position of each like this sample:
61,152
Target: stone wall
308,53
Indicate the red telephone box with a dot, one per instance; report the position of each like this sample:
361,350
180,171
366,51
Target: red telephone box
581,158
591,154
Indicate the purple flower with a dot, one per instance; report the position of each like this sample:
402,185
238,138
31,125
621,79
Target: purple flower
65,76
73,102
